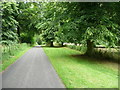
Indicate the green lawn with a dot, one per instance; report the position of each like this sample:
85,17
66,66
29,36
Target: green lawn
79,72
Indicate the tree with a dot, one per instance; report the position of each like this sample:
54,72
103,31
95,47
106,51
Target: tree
28,17
9,23
76,23
63,22
49,23
91,25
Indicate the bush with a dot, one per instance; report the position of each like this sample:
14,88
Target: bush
10,50
27,39
106,54
39,41
79,48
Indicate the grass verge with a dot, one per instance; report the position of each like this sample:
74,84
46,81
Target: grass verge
8,59
79,72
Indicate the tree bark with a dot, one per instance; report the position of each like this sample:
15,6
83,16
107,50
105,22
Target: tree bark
76,44
90,47
51,44
62,44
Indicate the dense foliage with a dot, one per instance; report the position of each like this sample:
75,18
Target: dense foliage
9,23
76,23
89,24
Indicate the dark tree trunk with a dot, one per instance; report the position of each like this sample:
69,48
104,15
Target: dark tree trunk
51,44
75,44
18,31
90,47
62,44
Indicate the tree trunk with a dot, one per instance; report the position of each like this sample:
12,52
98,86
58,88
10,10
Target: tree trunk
18,31
76,44
62,44
51,44
90,47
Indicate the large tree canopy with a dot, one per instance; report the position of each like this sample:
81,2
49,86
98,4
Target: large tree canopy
86,23
72,22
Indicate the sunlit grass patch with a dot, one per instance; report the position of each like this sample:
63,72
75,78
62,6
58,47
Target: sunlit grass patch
82,72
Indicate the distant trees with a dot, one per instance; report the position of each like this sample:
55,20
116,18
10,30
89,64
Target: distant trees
28,17
49,23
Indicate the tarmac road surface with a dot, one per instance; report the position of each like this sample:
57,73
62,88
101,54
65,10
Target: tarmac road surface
32,70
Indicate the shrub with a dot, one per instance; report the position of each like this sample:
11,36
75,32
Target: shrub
27,39
10,50
109,55
39,41
79,48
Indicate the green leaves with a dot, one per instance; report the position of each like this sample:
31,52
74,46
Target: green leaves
63,21
9,23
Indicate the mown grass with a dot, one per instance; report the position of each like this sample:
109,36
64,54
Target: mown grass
9,58
79,72
103,53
